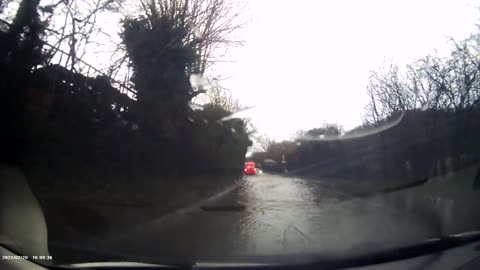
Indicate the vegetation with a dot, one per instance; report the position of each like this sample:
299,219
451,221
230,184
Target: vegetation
85,129
433,82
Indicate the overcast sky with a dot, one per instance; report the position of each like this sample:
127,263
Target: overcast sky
307,62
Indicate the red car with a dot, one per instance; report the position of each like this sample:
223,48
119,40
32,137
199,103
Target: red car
250,168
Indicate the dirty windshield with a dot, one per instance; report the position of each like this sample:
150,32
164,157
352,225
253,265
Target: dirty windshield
182,131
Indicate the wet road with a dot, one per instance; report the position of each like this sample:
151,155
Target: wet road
285,216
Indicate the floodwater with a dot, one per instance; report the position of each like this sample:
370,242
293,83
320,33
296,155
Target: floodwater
270,218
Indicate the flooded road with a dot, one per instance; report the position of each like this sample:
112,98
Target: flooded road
271,216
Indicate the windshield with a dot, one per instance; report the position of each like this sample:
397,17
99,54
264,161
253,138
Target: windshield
180,131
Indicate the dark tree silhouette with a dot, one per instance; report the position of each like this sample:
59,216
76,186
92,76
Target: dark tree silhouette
448,83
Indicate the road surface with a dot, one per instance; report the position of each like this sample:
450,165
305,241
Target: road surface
270,216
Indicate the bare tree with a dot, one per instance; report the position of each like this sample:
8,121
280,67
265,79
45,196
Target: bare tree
73,26
210,24
264,141
298,134
388,93
221,96
433,82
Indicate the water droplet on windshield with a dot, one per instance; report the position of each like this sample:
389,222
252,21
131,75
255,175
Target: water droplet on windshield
243,113
199,82
197,33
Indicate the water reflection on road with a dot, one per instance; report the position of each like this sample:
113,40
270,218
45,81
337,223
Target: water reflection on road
293,216
276,208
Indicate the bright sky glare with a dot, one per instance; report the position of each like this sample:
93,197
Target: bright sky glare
307,62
